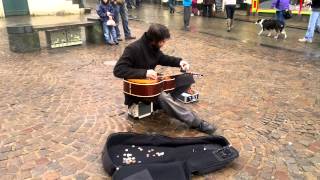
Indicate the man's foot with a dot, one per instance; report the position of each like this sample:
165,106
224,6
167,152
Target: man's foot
305,40
207,128
119,39
187,28
130,37
116,43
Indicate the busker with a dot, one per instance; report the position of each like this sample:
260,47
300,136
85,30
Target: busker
138,62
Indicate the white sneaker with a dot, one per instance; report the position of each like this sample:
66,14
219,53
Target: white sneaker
305,40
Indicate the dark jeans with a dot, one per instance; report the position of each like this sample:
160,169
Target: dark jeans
207,10
280,17
230,11
187,15
123,12
172,4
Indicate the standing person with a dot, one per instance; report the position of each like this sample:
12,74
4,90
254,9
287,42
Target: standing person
123,11
281,6
207,7
172,4
187,14
314,17
230,6
107,13
139,60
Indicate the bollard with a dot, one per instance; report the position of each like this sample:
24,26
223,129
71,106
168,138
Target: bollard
23,38
94,33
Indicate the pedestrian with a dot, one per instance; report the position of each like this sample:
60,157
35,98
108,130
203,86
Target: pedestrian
187,14
207,7
313,20
123,11
172,4
139,60
230,7
281,6
318,26
107,13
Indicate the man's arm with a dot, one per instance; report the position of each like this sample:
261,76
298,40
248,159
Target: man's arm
166,60
100,12
123,68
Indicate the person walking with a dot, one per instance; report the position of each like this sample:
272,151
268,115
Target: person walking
187,14
207,8
313,20
281,6
230,7
172,4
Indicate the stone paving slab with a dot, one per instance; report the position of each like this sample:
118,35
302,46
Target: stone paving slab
58,106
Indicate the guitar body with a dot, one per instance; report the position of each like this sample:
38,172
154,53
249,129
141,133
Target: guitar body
147,88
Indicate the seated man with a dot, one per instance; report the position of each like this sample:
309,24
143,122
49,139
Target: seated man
138,62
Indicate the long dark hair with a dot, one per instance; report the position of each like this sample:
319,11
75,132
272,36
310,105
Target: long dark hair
157,33
102,2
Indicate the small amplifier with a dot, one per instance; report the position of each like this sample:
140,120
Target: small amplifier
189,98
140,110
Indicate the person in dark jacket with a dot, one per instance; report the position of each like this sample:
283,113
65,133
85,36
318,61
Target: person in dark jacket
207,8
314,17
139,60
107,12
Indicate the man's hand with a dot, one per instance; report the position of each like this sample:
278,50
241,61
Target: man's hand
184,65
151,74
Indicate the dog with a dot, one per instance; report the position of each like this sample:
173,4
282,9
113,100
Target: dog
272,25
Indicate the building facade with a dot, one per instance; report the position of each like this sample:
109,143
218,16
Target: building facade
38,7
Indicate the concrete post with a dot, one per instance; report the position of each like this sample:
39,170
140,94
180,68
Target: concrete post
94,33
23,38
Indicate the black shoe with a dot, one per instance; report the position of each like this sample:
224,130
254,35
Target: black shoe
130,37
206,128
116,43
119,39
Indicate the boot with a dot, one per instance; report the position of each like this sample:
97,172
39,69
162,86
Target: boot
228,25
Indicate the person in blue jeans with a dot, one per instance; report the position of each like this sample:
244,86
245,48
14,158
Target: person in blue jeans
172,4
122,12
281,6
107,13
187,14
313,20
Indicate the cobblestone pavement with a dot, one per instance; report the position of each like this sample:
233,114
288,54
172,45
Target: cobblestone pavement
57,108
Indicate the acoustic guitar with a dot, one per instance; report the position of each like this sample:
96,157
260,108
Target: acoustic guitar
148,88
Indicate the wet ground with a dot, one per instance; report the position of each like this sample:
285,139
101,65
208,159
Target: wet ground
57,107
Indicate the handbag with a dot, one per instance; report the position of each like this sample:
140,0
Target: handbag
111,22
287,14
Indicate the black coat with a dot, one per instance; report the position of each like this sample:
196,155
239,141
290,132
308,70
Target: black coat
315,4
137,58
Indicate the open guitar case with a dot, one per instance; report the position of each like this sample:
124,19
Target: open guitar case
131,156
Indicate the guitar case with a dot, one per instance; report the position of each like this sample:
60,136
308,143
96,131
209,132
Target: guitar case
131,156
